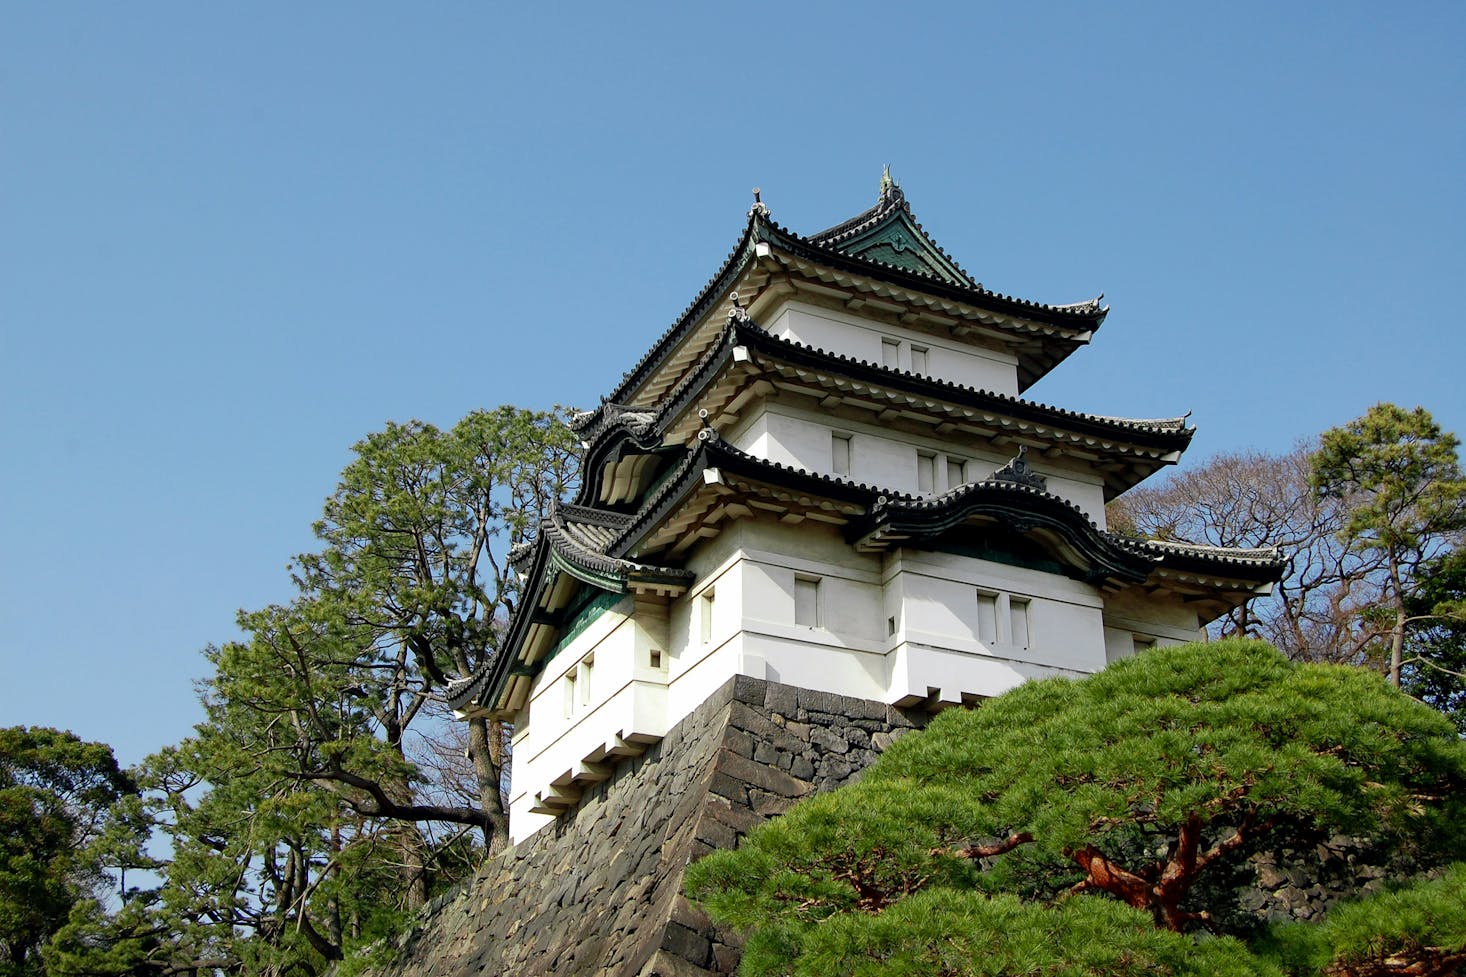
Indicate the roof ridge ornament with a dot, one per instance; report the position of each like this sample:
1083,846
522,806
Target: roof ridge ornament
1018,471
737,313
759,207
708,432
891,193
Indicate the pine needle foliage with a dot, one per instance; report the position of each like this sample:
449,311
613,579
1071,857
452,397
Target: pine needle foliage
1135,786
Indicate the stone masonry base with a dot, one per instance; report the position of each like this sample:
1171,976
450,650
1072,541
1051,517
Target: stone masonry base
599,892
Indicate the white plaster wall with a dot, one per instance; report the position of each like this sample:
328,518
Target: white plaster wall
934,649
924,673
939,600
851,335
697,668
1087,493
792,436
752,435
625,698
1133,614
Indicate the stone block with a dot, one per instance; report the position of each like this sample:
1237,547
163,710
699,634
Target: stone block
782,700
687,944
664,964
742,743
828,703
758,775
745,688
725,958
684,913
730,788
828,740
716,834
763,729
769,805
740,818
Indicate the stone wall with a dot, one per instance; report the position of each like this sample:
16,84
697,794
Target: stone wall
599,892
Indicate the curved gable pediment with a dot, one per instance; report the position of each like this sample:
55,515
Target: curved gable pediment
1006,522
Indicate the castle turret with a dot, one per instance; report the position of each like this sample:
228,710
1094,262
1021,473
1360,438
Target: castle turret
826,474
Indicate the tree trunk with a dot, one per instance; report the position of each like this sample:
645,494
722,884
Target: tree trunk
1397,638
484,749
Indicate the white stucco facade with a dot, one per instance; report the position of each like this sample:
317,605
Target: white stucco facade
907,627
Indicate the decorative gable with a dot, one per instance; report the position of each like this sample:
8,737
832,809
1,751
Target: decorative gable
898,241
889,234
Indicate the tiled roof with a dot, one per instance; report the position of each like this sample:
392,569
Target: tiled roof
1174,429
1161,434
1266,558
584,536
824,248
1087,314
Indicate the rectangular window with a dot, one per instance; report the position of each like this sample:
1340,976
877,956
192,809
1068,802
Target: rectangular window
956,472
1143,643
584,680
987,618
570,693
891,353
654,659
891,626
705,616
807,601
918,359
1018,621
926,472
840,454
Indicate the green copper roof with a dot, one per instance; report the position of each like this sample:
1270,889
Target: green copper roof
888,233
897,240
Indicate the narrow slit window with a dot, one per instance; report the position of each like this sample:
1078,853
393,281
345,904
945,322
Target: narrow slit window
586,667
918,359
926,473
891,353
956,472
891,626
987,618
1018,621
654,659
807,601
840,454
705,616
570,693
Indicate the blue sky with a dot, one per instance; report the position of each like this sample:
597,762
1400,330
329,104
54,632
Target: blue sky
236,238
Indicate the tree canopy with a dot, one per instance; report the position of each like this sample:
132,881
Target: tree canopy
1368,515
1400,480
1256,499
328,794
1145,786
64,831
